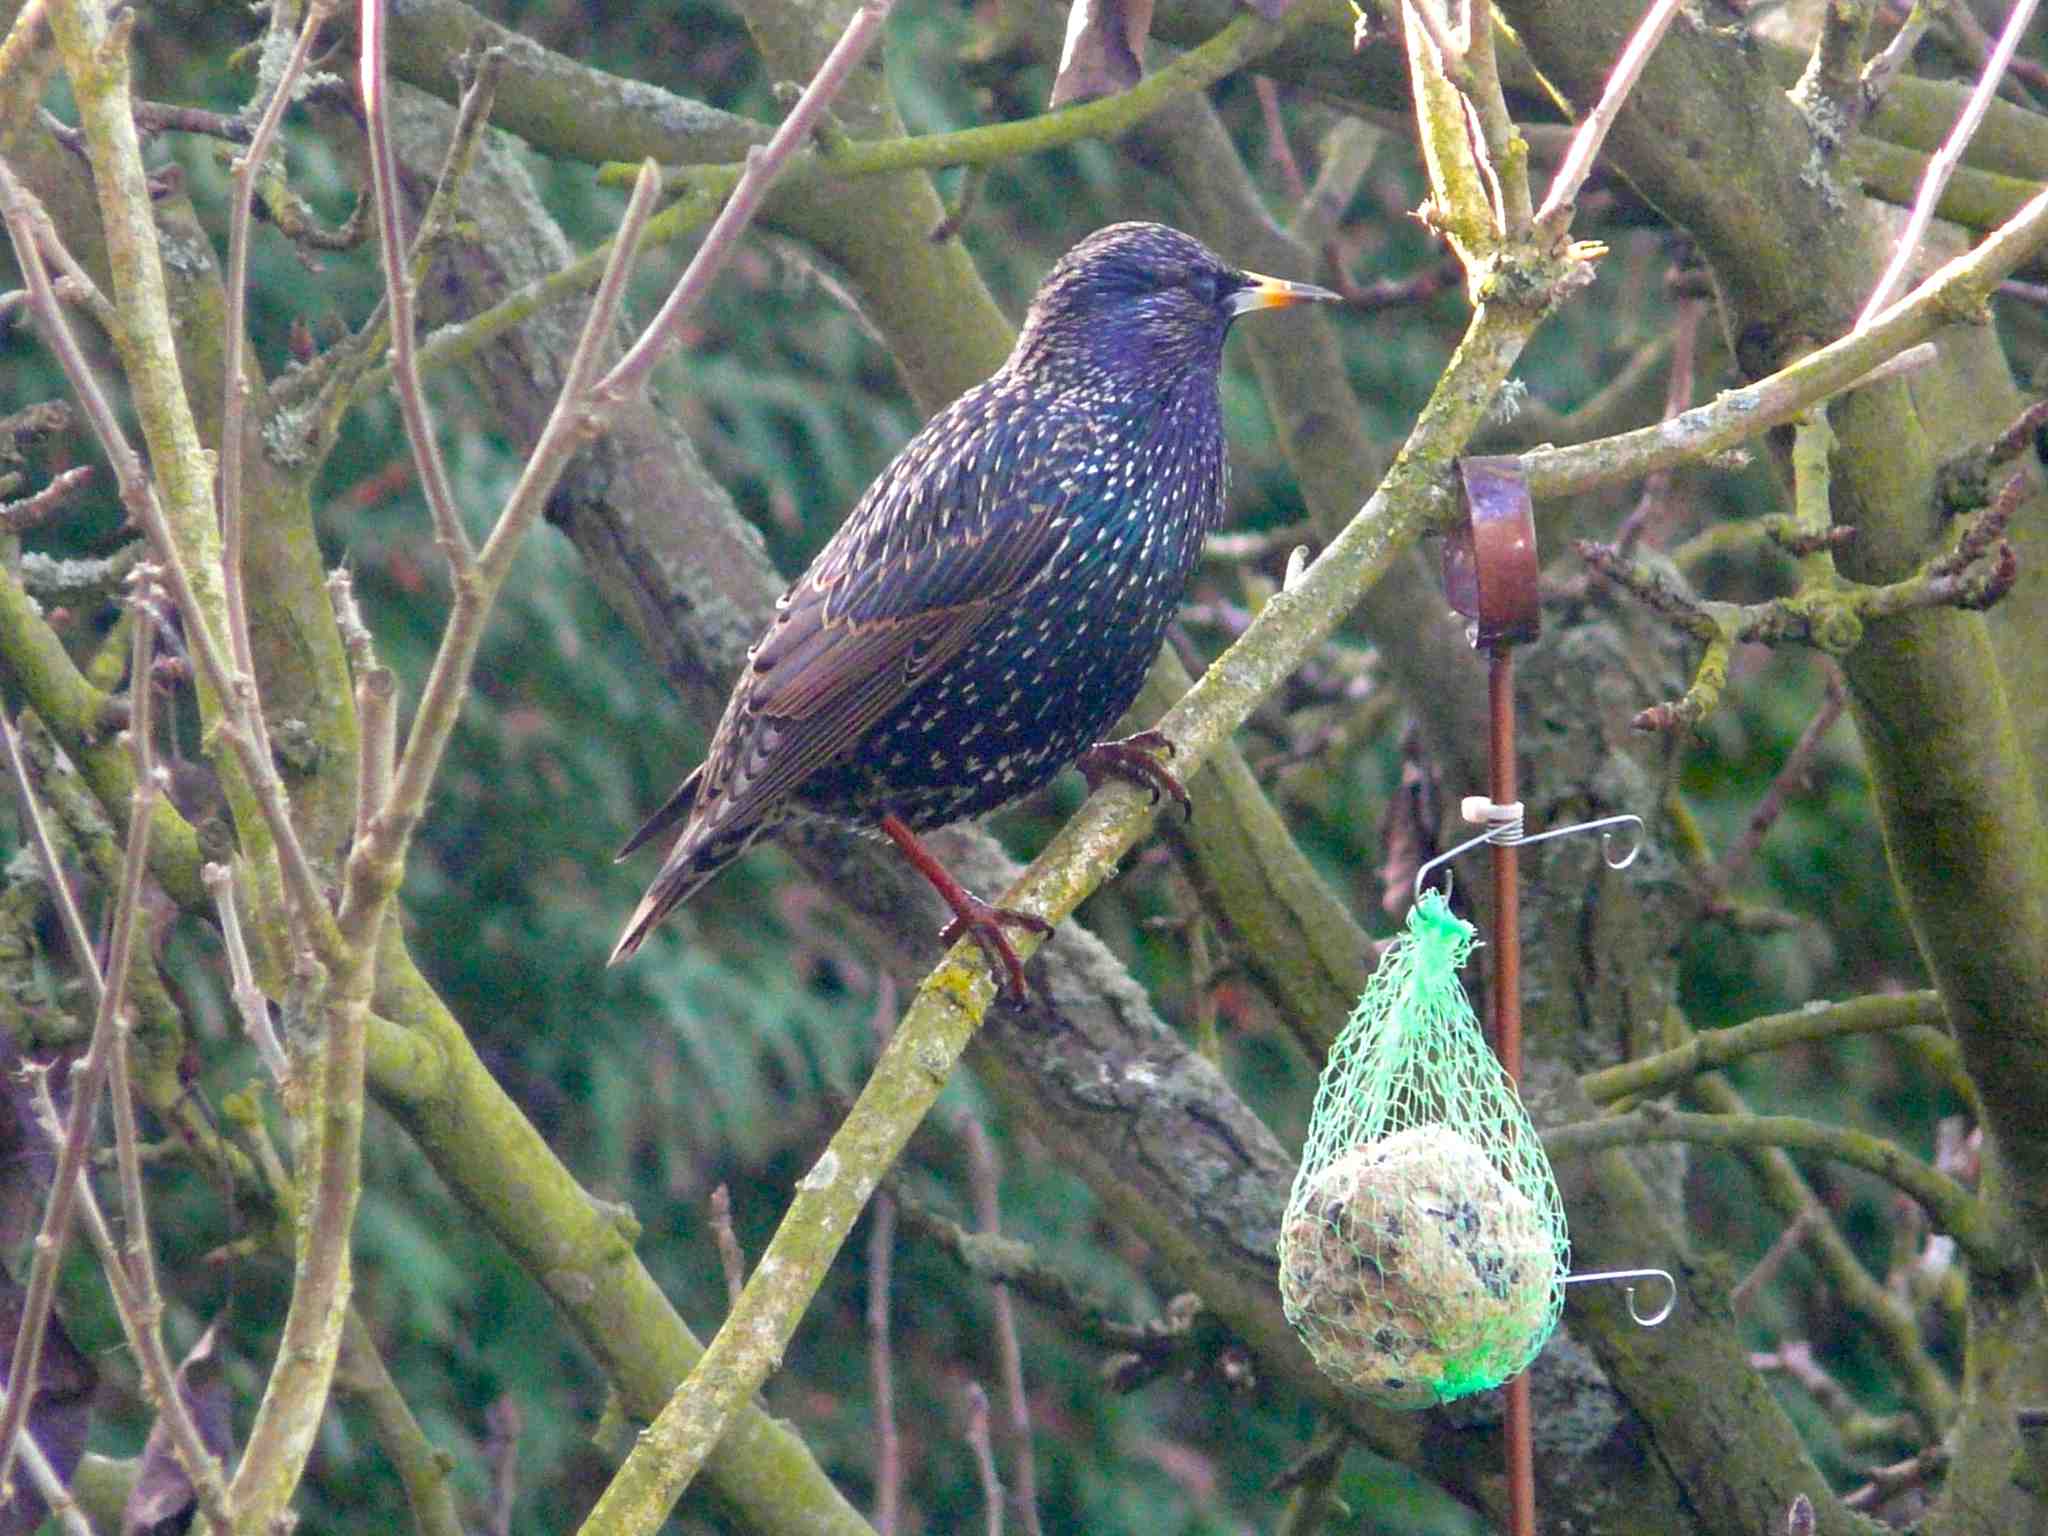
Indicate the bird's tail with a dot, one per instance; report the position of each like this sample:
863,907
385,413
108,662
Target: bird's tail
673,810
676,883
699,854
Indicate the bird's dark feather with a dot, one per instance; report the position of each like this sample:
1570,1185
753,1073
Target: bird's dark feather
673,810
922,563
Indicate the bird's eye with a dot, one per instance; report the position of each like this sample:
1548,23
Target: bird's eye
1204,284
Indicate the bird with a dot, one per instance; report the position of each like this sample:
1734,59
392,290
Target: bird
992,603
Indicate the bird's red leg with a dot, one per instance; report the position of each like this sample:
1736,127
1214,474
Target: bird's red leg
1132,760
982,921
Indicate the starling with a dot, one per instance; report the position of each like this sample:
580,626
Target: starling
993,603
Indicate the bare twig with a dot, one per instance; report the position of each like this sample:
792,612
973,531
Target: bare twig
982,1179
2023,76
2020,435
881,1370
730,1258
1883,1484
55,1230
1555,214
1891,1322
50,1487
235,398
154,117
1879,73
1449,47
1945,161
1743,1297
18,516
977,1437
1685,329
1708,1050
506,1422
1398,292
249,1000
764,163
383,851
142,1324
422,1468
244,725
1736,415
1505,148
398,289
1791,776
1278,150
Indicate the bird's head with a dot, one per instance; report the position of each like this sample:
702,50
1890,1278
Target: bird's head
1144,301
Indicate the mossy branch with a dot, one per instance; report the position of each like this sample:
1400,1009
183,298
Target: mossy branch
1710,1050
1952,1208
1890,1318
1827,611
701,189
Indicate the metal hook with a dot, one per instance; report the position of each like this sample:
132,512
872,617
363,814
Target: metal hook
1641,1321
1605,827
1506,829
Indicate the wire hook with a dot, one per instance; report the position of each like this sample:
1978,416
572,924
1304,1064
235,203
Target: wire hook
1641,1320
1504,827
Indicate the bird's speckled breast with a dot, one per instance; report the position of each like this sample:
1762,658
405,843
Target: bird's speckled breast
1045,679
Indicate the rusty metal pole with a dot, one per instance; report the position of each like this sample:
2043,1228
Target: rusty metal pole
1490,569
1504,1004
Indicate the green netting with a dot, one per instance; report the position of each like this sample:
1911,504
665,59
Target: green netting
1424,1251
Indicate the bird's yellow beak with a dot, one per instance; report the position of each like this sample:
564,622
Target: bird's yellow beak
1262,292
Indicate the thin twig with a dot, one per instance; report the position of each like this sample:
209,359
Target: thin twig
398,289
1556,212
1278,150
235,398
1482,85
730,1258
448,679
1855,1290
244,725
764,163
423,1469
1945,161
1736,415
1792,775
881,1371
249,1000
1766,1269
501,1452
1678,388
2020,435
19,516
1450,51
143,1327
982,1180
1883,1484
1879,73
89,1082
977,1437
1711,1049
50,1487
154,117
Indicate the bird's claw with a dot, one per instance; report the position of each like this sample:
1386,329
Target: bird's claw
983,922
1132,760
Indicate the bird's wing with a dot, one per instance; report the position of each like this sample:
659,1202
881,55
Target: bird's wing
942,542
